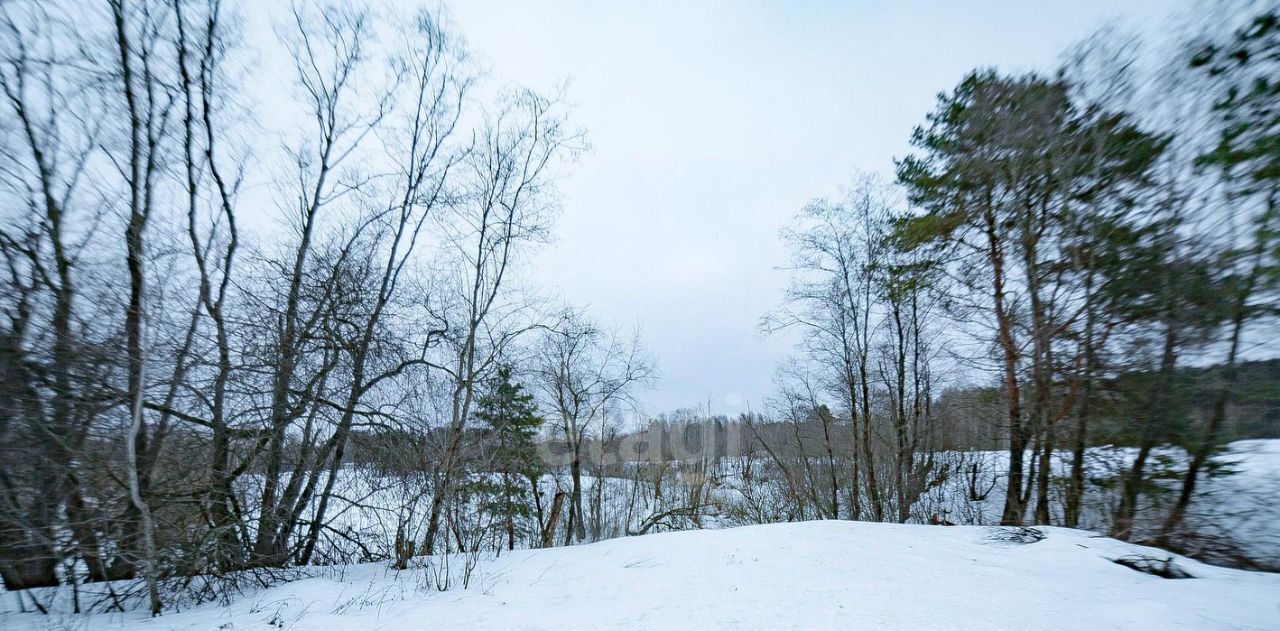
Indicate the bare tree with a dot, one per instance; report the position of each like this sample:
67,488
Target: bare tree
51,133
506,202
584,372
328,50
836,248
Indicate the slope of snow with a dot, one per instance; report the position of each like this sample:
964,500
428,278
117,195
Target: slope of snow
812,575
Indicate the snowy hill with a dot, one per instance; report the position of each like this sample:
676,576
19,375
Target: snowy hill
812,575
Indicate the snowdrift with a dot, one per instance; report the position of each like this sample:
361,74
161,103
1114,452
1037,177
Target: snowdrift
811,575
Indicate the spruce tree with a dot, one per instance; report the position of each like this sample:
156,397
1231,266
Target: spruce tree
511,423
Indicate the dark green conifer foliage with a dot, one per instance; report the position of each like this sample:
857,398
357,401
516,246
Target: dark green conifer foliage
511,424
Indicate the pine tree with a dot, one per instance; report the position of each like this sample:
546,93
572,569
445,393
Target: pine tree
1248,156
1003,166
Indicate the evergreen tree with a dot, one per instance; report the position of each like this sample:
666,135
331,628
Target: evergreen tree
511,424
1005,169
1247,69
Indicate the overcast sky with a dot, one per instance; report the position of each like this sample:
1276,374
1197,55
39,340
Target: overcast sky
712,123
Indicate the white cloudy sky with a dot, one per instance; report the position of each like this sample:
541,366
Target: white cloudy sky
713,122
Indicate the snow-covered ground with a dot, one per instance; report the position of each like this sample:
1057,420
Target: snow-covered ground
809,575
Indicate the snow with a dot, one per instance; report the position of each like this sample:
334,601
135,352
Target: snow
809,575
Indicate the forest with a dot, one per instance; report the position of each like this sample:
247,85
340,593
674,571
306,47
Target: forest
226,359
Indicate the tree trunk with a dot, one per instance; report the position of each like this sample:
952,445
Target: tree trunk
868,456
576,527
141,163
1213,431
1075,486
510,511
1014,507
1122,523
549,531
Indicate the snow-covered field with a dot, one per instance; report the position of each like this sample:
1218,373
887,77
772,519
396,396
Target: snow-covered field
1238,503
809,575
